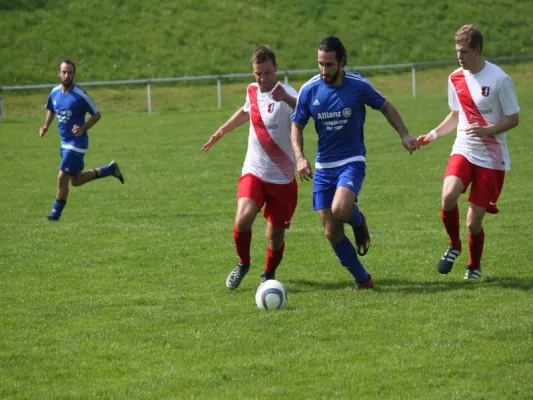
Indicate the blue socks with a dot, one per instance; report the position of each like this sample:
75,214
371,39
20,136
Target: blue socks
356,219
106,170
347,256
57,209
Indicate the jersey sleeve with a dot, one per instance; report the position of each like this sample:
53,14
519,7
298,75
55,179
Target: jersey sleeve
246,107
453,102
90,106
507,97
372,97
302,113
50,104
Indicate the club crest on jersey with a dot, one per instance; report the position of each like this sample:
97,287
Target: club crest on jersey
485,90
271,107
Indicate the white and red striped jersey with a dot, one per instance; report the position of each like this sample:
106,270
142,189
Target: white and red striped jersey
269,155
486,98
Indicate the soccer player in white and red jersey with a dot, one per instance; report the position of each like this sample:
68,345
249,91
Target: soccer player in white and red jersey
268,173
483,107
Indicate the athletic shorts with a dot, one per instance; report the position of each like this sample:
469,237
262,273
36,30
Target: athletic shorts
486,183
71,162
280,199
327,180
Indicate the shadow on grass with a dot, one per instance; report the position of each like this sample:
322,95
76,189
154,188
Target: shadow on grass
406,286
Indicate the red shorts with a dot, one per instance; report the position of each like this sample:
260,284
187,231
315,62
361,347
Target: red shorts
486,186
280,199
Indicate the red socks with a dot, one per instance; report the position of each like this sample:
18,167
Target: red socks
243,241
475,247
451,224
273,259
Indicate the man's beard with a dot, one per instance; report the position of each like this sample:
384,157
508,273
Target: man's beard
330,79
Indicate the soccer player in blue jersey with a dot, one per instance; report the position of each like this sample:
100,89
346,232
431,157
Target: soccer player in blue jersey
71,103
336,101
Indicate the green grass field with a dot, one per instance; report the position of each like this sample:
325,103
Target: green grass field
125,296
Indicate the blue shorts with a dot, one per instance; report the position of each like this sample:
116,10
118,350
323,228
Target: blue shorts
71,162
327,180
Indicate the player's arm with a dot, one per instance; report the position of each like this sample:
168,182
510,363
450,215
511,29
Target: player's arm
47,121
507,123
448,124
395,120
302,163
237,119
80,130
280,94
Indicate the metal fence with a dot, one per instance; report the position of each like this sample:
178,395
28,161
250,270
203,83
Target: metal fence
219,78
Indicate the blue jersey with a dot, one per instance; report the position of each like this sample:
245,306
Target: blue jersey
339,113
70,109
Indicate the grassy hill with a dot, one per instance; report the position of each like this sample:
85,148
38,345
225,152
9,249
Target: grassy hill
120,39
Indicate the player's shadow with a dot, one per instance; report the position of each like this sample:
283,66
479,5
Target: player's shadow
406,286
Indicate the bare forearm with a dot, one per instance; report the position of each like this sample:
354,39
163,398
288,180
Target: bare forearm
448,124
394,119
291,101
297,141
507,123
238,118
48,119
91,122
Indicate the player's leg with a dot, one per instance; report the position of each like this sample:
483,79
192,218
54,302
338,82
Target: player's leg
344,249
281,201
71,165
486,188
476,240
95,173
250,195
275,249
345,207
459,173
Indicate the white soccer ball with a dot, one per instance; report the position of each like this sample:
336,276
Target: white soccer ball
270,295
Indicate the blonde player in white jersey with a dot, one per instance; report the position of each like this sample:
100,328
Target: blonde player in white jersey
268,173
483,107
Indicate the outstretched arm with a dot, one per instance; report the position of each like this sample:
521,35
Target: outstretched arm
237,119
448,124
302,163
395,120
47,121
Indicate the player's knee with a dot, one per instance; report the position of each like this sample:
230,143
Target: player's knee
76,182
244,221
341,213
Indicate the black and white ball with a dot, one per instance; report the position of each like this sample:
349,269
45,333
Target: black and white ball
270,295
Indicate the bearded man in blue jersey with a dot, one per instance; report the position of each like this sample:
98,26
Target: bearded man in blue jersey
337,100
71,103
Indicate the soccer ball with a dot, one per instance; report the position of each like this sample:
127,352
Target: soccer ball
270,295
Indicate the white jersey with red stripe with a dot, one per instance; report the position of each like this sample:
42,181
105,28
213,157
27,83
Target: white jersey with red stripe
269,156
486,98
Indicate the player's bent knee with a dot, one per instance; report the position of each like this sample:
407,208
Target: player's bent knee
341,213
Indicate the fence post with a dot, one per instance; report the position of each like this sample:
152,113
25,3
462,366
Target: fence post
413,75
1,109
286,77
219,92
149,97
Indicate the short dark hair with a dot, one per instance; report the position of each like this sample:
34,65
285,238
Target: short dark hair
262,54
67,61
470,34
333,44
